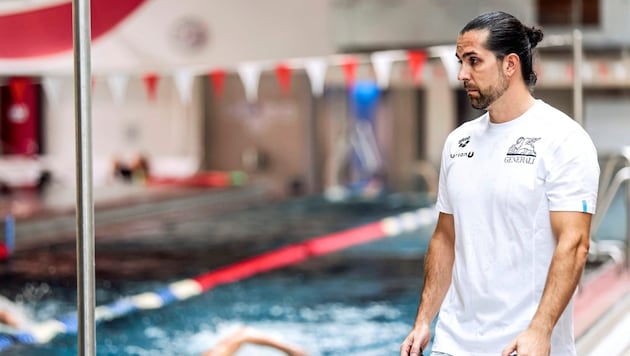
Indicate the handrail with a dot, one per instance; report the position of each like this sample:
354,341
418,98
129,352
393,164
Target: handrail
608,189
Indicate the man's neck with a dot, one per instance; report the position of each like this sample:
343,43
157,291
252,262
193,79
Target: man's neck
512,104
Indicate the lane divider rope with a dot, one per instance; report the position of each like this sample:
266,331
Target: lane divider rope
177,291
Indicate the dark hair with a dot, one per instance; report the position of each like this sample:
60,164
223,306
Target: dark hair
508,35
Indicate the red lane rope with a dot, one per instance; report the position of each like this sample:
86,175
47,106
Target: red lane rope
290,255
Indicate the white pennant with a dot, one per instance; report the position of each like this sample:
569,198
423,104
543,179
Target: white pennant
184,83
447,55
118,86
52,88
250,75
619,71
382,63
316,71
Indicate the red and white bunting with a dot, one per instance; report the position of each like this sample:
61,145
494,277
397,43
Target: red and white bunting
283,73
52,89
382,63
416,60
349,66
250,75
620,72
118,87
184,84
217,79
150,83
316,70
447,56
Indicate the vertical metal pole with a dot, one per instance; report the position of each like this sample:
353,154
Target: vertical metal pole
576,17
314,174
578,106
85,203
627,223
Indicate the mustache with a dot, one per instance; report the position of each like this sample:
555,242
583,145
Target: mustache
467,85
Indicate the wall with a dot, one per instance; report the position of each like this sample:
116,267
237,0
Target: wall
375,24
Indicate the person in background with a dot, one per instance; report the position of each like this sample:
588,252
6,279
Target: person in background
517,190
137,170
247,335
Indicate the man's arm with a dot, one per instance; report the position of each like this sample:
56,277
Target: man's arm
571,230
438,270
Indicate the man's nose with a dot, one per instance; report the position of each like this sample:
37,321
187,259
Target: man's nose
463,74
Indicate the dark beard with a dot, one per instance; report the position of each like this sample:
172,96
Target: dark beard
490,95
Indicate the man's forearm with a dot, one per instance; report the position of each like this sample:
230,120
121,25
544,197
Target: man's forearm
437,278
564,275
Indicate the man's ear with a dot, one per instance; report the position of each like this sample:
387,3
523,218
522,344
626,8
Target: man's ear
511,64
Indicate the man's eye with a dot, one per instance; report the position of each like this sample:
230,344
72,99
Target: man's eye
473,60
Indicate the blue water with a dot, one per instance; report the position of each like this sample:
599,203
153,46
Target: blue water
360,301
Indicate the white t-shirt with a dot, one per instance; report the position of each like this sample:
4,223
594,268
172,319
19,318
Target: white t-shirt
500,181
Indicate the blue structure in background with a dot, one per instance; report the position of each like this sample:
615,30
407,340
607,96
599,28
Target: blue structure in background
366,164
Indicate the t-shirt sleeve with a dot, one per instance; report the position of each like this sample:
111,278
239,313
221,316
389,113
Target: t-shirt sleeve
573,175
443,204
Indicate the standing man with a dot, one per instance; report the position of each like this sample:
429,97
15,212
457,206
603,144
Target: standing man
517,190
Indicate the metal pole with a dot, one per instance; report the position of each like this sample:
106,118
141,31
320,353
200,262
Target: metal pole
314,174
628,224
85,204
578,113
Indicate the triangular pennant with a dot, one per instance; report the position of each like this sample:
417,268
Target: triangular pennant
416,59
118,87
150,82
52,89
217,79
382,63
283,73
450,63
250,75
184,83
17,86
316,71
349,66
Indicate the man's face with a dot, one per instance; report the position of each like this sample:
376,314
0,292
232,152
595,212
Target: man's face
480,71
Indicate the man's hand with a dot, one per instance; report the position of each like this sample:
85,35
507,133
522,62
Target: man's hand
416,341
531,342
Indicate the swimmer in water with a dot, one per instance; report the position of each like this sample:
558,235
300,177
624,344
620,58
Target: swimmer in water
247,335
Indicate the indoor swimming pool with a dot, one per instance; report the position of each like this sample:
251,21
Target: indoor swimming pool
358,301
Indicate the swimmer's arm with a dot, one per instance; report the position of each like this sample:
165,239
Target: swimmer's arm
571,230
247,335
438,268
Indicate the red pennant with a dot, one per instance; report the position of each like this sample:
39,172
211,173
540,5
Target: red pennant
283,72
416,60
602,69
217,78
17,86
570,72
150,82
349,68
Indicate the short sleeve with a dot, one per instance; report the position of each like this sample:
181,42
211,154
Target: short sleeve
572,177
443,204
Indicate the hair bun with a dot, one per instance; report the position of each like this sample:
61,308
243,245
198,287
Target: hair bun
534,35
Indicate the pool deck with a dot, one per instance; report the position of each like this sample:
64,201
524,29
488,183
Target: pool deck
602,305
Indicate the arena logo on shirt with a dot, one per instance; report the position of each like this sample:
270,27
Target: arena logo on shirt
523,151
462,143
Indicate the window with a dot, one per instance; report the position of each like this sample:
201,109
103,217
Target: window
560,12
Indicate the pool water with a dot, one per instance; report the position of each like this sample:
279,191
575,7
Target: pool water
360,301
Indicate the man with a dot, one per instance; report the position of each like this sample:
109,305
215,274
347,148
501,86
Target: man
517,189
